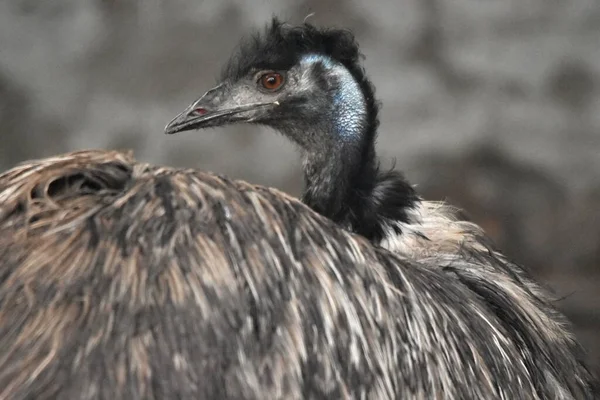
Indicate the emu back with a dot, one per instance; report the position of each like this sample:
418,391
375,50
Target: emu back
120,280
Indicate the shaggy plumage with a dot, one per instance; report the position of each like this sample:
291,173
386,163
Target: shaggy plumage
326,105
121,280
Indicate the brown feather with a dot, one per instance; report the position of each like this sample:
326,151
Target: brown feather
122,280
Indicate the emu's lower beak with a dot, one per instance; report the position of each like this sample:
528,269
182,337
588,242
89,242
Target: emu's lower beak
211,110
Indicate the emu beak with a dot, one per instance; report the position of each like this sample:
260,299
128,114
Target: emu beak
211,110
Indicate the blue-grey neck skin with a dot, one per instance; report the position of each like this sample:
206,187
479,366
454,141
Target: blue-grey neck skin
333,141
342,177
348,114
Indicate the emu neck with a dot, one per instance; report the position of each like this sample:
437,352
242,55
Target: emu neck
336,179
344,184
334,159
342,180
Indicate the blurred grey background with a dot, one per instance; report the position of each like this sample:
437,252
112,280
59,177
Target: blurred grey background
492,105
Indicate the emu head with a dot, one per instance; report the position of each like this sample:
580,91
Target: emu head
303,81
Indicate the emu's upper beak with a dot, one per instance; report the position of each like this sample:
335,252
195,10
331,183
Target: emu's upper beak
213,109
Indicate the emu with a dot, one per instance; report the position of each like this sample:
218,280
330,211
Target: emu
308,84
123,280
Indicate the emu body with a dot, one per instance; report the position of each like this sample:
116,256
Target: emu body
122,280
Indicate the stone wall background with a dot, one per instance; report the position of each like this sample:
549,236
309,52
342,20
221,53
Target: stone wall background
492,105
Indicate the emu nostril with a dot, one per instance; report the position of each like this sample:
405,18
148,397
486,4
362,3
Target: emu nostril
200,111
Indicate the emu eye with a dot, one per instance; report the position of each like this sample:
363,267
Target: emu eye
271,81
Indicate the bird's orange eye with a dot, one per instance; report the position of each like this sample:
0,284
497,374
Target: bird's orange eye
271,81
